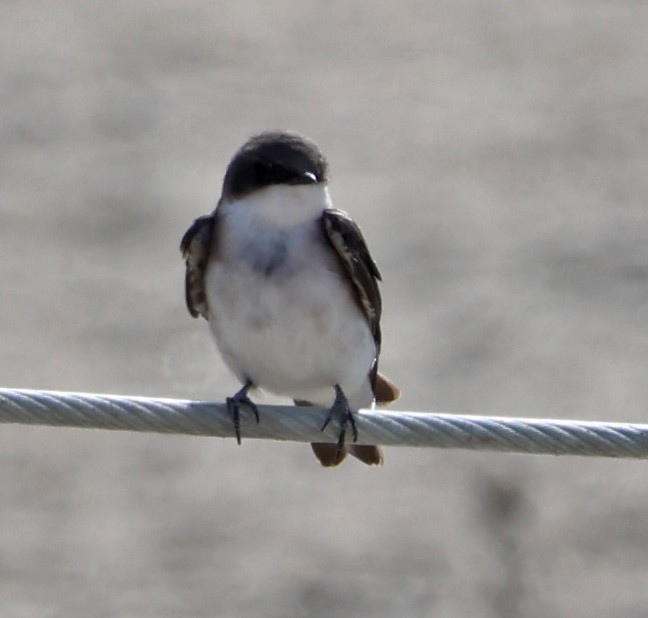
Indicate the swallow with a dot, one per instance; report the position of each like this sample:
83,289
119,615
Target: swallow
289,289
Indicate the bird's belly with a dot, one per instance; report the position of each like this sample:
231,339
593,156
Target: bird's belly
295,335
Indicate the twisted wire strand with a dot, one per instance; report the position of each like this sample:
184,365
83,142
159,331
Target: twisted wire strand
420,429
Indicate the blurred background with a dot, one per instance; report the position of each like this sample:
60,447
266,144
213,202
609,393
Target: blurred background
496,157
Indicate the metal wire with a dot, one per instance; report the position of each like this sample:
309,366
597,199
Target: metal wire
421,429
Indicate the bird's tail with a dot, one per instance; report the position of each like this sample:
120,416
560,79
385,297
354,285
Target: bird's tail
385,390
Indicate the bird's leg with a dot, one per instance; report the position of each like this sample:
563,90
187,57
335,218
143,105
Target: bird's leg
234,405
342,409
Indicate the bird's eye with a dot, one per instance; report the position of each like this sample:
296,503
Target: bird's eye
265,172
270,173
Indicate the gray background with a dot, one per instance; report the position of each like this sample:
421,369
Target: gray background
496,156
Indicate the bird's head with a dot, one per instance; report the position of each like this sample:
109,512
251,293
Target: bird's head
274,158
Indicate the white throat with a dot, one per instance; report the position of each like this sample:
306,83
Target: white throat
282,205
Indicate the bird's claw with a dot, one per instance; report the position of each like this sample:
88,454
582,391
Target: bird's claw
234,404
343,410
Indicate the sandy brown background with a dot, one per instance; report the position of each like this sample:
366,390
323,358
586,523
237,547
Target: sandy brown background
496,156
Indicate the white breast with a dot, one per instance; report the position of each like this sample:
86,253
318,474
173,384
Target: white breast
282,313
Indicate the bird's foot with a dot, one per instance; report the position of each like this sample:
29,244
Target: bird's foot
342,409
234,404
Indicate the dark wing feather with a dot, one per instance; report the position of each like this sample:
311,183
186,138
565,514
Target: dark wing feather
346,239
196,245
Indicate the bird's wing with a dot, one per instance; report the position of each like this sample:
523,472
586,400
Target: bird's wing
345,237
196,245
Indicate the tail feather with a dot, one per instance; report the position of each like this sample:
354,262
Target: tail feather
385,390
367,453
328,454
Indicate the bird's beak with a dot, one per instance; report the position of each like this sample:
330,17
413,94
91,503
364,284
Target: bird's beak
305,178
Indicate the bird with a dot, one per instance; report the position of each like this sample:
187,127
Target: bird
289,289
